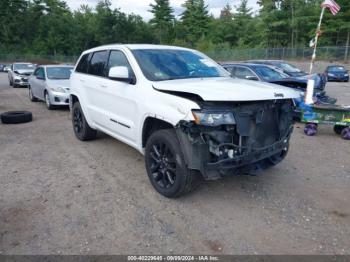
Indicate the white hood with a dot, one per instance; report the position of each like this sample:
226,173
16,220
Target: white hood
24,71
227,89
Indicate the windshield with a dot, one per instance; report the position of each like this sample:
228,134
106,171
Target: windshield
289,68
170,64
29,67
336,68
268,74
59,72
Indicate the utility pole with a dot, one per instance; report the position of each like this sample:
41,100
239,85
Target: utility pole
347,46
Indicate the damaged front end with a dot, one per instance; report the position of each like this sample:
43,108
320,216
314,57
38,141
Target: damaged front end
228,138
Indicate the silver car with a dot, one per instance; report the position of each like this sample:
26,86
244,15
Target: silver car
19,73
50,83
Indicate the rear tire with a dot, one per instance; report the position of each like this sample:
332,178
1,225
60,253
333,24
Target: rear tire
81,128
166,167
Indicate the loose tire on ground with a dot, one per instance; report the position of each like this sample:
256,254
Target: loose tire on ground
16,117
166,167
81,128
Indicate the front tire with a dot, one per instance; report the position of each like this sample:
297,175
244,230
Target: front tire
82,130
31,96
166,167
49,106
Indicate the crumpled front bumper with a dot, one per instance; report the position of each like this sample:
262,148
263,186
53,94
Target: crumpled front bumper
260,136
251,155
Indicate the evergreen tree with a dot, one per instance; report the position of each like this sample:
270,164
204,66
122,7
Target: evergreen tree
226,12
195,20
163,19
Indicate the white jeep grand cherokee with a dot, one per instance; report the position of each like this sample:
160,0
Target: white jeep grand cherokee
182,111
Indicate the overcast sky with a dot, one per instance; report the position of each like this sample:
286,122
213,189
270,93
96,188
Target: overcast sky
141,7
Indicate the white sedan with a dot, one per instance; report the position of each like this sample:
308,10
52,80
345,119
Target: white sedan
50,83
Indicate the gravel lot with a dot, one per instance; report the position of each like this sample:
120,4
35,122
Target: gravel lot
62,196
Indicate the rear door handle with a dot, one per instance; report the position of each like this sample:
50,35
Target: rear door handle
103,86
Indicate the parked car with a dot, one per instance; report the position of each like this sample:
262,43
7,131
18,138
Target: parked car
19,73
2,67
50,83
293,71
337,73
7,68
266,73
182,110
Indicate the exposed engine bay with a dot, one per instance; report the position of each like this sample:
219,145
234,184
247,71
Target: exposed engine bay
258,138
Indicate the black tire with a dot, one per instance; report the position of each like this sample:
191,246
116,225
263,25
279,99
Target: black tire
166,167
48,104
338,129
31,96
11,83
81,128
16,117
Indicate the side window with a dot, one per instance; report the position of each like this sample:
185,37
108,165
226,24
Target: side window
40,72
232,70
83,64
98,63
36,71
117,58
242,72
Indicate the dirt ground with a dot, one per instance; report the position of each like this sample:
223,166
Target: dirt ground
62,196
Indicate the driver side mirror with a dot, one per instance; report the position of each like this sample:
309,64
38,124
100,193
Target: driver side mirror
254,78
120,73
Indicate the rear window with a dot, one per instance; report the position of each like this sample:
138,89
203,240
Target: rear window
98,63
83,64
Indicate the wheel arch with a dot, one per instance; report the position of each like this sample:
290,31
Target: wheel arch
152,124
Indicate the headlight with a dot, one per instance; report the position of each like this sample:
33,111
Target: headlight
346,74
330,74
57,89
212,118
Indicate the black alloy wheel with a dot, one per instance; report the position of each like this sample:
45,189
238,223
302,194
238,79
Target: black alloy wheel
77,121
81,128
166,167
163,165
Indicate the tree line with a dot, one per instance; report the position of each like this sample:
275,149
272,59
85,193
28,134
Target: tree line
49,27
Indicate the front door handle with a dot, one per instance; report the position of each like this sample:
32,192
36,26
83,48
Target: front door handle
103,86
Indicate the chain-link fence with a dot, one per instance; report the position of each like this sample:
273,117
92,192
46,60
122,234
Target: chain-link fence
39,59
331,53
